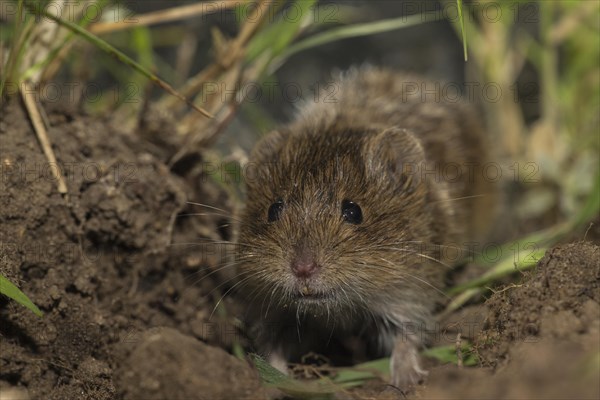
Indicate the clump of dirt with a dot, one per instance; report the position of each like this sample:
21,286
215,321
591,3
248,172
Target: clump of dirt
113,258
152,369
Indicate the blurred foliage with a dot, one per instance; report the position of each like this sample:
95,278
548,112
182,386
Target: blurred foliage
555,158
553,161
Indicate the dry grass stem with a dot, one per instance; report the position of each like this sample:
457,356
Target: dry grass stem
162,16
27,92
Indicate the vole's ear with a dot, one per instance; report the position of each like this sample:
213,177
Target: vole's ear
268,148
396,156
264,160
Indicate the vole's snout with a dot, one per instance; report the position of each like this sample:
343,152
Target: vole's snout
304,266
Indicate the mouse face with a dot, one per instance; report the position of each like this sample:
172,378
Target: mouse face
334,220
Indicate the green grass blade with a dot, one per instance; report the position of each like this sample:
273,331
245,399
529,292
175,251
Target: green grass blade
267,373
10,290
296,388
462,28
540,241
447,354
356,30
276,37
101,44
460,300
506,267
358,374
22,32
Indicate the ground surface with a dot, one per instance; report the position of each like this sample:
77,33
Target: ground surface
122,275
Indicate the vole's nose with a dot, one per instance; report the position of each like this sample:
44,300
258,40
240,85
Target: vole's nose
304,268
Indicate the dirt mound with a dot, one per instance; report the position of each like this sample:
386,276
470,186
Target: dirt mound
558,300
153,370
99,262
542,336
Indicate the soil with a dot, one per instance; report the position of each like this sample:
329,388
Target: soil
136,307
540,338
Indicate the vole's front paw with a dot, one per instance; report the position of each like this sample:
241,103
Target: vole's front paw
277,360
405,369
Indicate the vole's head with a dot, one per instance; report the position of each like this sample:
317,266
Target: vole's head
334,217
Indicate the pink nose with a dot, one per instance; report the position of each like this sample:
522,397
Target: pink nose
304,268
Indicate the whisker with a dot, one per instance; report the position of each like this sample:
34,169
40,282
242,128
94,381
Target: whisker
417,254
298,323
207,206
225,282
433,259
226,293
270,301
214,241
210,214
231,264
434,246
419,279
460,198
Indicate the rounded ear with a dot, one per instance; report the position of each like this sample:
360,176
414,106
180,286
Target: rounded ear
268,147
265,158
396,156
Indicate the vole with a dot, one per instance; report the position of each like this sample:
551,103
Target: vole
347,210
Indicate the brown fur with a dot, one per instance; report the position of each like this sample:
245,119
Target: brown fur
379,279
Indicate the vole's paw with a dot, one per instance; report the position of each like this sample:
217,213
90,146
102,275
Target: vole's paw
405,368
277,360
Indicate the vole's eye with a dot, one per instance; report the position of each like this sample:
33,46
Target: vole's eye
275,210
351,212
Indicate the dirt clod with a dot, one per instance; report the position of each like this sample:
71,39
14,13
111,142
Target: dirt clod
156,368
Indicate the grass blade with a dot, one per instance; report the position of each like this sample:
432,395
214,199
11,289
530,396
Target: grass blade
447,354
296,388
502,269
358,374
462,28
356,30
23,30
276,37
56,50
10,290
540,241
186,11
33,111
101,44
